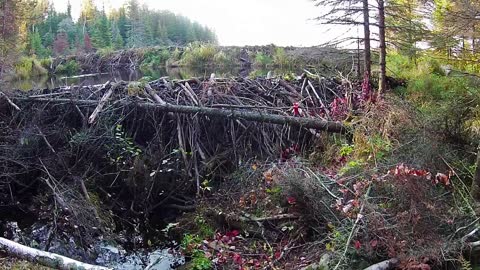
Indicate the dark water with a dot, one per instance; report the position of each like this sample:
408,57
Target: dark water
134,75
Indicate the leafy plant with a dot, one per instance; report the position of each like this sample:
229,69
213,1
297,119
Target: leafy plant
262,60
123,148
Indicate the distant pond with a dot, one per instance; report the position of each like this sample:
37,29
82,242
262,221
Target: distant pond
50,82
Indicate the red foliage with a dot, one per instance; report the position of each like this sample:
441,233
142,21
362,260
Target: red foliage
60,45
87,43
291,200
339,108
367,94
357,244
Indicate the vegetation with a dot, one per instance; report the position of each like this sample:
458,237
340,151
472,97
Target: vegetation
52,33
398,180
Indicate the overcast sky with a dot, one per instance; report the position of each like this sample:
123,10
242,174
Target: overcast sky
245,22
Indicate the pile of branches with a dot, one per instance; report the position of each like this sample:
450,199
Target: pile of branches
134,153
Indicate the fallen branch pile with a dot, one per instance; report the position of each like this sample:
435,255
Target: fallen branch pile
140,151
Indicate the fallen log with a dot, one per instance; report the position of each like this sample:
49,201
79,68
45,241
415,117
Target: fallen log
385,265
303,122
44,258
102,102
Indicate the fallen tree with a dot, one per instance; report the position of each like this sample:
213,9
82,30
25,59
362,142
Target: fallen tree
313,123
44,258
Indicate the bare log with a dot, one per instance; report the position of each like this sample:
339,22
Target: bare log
102,102
44,258
154,95
303,122
385,265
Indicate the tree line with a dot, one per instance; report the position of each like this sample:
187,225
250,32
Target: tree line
36,28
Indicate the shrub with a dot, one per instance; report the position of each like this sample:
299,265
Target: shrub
154,59
197,54
280,57
262,60
69,68
27,67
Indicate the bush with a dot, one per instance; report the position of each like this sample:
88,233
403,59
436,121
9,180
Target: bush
154,59
69,68
197,54
28,67
262,60
280,58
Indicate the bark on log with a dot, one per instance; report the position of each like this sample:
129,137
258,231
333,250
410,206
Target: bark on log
385,265
304,122
154,95
44,258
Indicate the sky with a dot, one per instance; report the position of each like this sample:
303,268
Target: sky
245,22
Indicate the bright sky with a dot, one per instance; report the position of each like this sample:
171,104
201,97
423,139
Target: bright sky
245,22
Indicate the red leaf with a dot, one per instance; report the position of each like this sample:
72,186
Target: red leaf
443,179
291,200
278,254
373,243
233,233
237,258
357,244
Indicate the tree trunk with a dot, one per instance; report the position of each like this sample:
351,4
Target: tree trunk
476,180
366,40
303,122
383,48
44,258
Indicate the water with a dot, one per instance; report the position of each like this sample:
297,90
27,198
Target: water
50,82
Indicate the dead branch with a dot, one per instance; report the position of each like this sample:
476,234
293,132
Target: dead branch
44,258
10,101
385,265
102,102
303,122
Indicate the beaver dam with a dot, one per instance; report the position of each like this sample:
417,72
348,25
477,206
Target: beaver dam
218,173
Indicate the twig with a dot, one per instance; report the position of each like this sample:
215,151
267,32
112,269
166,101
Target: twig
354,228
10,101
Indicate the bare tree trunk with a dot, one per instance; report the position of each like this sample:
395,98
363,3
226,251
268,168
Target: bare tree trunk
473,39
44,258
366,31
383,47
476,179
359,72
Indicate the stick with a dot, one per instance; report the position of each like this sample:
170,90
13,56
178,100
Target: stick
385,265
102,102
44,258
10,101
154,95
352,232
304,122
51,95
